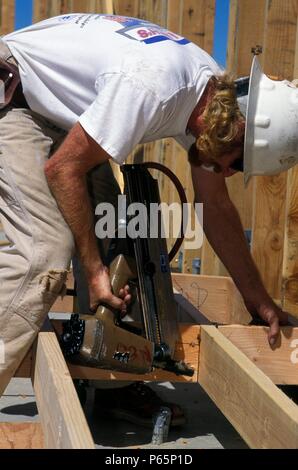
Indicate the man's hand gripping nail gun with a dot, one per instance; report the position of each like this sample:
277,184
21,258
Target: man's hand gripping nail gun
103,341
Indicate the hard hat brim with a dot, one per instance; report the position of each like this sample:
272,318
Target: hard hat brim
253,93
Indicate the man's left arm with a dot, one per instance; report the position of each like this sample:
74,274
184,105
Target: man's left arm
225,233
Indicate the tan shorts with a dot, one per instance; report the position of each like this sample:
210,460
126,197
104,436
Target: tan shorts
33,267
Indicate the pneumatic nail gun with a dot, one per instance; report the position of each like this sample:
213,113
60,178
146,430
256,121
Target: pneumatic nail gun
104,340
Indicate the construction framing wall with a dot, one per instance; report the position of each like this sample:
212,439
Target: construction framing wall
233,363
268,208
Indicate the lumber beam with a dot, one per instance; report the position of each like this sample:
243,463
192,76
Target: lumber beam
62,418
289,293
215,296
21,436
264,416
280,363
126,7
7,16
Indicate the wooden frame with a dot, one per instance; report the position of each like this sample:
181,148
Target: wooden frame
239,355
263,415
62,419
233,363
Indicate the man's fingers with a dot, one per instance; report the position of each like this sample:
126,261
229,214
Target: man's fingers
127,298
124,291
125,294
116,303
273,330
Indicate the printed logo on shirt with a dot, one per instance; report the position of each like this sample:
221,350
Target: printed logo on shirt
65,18
133,28
144,31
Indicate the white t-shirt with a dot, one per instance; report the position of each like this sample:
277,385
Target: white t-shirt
127,81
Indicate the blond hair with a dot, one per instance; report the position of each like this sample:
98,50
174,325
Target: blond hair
221,118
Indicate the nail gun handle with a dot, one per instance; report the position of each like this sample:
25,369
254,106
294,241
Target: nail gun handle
122,269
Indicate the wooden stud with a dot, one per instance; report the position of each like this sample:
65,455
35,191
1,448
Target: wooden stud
198,22
289,293
296,57
289,297
175,15
63,422
243,35
268,230
246,30
80,6
264,416
280,364
127,7
216,297
280,39
108,7
210,264
7,16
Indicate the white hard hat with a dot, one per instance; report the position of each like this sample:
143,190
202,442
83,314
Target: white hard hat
271,132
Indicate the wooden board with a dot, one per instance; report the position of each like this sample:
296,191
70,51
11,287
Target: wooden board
289,293
45,9
7,16
246,30
198,22
175,15
268,230
215,296
21,436
243,35
63,422
264,416
296,57
280,364
126,7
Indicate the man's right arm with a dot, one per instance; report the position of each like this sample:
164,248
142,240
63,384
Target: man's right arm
223,228
66,174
